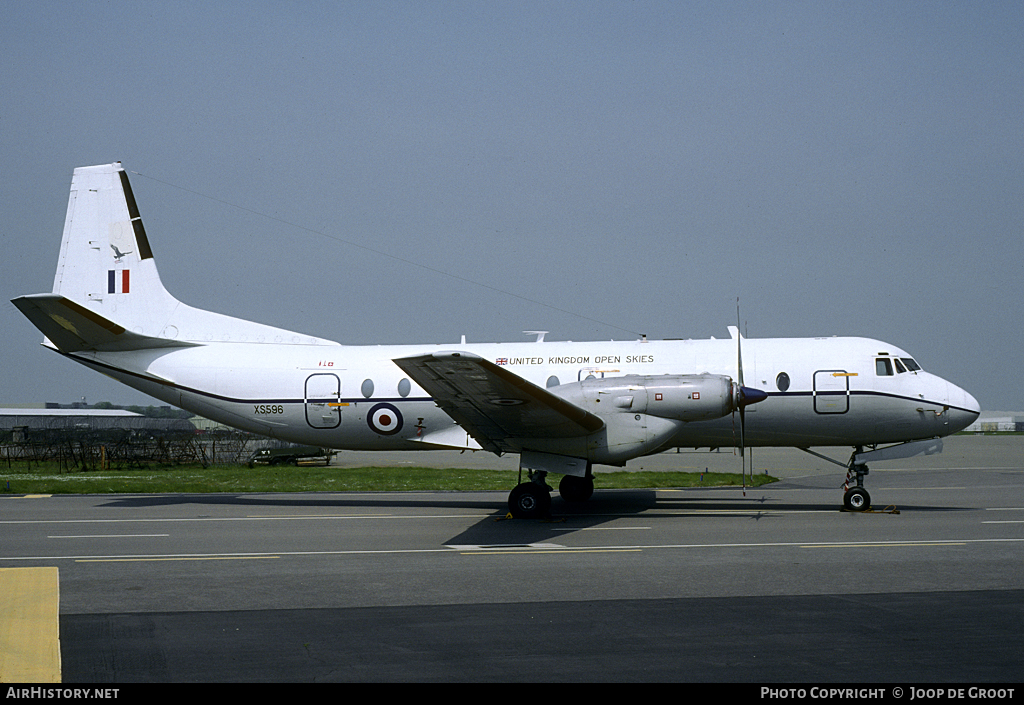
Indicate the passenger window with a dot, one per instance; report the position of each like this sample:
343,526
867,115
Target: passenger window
899,365
782,382
883,367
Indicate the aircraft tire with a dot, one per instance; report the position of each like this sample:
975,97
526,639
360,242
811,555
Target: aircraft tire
529,501
857,499
576,489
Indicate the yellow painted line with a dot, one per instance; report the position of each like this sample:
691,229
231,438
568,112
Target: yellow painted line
320,516
29,625
884,545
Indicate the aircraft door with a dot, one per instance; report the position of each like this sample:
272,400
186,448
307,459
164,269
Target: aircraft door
831,391
323,401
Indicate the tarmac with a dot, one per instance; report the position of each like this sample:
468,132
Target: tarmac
767,585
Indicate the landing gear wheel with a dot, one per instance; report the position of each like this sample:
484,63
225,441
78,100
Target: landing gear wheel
529,500
576,489
857,499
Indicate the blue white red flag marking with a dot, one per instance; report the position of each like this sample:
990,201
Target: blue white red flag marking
117,281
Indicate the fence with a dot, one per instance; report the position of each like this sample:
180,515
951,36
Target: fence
117,449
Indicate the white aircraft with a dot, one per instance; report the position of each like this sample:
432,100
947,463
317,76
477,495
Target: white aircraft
562,406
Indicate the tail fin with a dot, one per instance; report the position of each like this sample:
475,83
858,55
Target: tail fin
106,268
106,263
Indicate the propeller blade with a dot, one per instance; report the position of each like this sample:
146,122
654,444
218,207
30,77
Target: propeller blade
745,396
741,397
739,349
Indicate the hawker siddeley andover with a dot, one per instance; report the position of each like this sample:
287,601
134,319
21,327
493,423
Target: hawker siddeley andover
563,407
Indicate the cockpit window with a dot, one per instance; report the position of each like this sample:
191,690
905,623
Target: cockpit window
899,365
883,367
911,364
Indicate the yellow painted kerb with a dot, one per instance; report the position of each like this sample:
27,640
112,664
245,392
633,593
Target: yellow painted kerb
29,625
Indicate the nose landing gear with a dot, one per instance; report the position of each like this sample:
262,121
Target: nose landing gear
856,498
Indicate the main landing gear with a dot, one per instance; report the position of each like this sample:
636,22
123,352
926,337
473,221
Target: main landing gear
532,500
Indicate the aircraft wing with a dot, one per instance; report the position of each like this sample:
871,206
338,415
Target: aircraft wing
495,406
72,327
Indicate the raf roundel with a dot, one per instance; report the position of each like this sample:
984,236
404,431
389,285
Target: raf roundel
385,419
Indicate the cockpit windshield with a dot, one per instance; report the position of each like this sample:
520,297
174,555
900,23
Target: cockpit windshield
884,366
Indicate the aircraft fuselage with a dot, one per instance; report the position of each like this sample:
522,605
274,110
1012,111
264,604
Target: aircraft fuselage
326,394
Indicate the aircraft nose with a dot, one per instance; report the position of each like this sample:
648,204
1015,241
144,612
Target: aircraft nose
972,405
964,408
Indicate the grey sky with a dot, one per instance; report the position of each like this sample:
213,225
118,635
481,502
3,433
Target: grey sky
843,169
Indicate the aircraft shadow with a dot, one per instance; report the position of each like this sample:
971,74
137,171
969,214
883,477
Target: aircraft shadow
395,499
498,530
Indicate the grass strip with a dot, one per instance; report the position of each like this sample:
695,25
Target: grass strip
242,479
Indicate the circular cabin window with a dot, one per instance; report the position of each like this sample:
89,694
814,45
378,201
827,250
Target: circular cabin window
782,381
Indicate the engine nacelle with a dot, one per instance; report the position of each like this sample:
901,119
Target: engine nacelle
641,413
677,397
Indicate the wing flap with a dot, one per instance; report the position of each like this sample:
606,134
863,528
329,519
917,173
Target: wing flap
495,406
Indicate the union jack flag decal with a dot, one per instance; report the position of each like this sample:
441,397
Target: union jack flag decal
501,361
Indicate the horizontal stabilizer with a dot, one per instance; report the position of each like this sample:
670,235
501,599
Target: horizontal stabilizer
72,327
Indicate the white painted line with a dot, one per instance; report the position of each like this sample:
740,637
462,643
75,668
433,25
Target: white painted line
110,536
453,550
604,528
300,517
